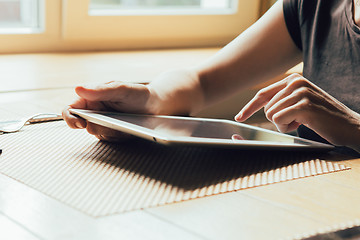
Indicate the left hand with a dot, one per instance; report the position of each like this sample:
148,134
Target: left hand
295,100
112,96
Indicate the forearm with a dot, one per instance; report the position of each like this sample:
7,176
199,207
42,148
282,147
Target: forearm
261,53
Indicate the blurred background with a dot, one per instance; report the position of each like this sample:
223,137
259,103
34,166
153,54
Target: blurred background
49,46
87,25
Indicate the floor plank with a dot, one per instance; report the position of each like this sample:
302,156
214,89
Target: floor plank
315,198
349,179
50,219
236,216
11,230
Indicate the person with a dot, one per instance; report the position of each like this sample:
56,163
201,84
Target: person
322,104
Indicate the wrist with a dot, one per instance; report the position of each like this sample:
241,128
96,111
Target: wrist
175,92
355,140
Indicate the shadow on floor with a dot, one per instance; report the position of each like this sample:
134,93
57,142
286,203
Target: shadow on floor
192,167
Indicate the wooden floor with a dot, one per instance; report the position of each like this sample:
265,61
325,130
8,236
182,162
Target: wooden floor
33,83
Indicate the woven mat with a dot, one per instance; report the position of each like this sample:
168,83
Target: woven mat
102,179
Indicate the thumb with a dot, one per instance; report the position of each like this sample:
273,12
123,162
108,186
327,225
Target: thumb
128,97
112,91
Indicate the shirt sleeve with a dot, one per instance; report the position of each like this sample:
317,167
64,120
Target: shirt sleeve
291,15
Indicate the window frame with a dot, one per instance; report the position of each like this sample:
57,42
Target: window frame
158,31
69,27
40,20
44,39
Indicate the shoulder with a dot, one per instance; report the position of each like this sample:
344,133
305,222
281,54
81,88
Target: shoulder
309,9
303,8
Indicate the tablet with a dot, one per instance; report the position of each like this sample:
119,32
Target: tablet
174,130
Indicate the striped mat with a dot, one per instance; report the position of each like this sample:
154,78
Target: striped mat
101,179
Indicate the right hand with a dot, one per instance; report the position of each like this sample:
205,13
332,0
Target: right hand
112,96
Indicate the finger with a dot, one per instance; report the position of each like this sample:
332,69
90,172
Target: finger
107,134
285,92
284,128
72,120
101,92
261,98
117,96
282,103
295,113
112,91
237,137
120,138
293,83
293,126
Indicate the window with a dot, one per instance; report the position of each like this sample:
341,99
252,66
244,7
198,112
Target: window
157,7
72,25
20,16
188,23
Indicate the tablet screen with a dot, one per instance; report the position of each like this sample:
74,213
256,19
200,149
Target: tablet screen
188,127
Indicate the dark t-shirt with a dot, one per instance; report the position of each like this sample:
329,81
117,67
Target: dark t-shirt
329,39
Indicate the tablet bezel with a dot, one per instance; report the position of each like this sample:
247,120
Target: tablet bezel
99,118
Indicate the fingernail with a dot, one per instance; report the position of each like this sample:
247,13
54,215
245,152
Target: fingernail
86,86
238,116
78,125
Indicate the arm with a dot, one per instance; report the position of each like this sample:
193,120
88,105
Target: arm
260,53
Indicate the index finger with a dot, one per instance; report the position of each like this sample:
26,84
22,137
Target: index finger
71,120
261,98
